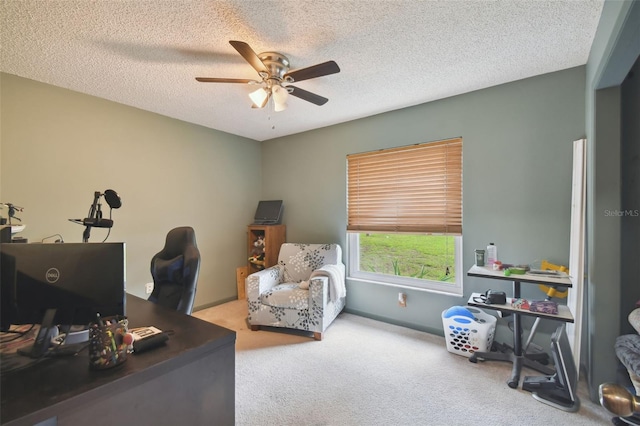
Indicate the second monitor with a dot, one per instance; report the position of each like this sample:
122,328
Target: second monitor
268,213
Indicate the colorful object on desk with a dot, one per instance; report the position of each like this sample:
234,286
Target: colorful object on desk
128,339
550,291
107,347
544,306
544,265
520,304
510,269
553,291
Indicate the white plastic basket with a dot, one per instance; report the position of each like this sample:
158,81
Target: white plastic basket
465,336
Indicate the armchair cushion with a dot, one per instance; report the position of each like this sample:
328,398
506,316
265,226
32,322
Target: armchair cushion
287,295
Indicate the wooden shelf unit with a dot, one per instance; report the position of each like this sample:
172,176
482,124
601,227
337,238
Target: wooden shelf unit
274,237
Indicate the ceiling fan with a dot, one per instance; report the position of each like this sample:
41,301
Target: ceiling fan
273,69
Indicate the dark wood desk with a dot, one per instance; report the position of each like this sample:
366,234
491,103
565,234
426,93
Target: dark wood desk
190,380
517,357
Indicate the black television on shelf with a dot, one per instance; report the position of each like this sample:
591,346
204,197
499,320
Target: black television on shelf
268,212
60,284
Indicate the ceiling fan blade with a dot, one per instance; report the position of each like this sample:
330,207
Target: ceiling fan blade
224,80
249,55
307,96
319,70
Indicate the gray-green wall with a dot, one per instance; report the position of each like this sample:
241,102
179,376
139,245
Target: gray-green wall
518,141
59,146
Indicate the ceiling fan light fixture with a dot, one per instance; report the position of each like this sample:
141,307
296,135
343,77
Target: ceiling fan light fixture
278,107
259,97
280,96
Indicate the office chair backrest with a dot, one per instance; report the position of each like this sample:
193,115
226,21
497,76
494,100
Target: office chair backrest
175,271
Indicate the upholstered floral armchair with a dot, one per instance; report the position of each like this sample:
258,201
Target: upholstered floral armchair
304,291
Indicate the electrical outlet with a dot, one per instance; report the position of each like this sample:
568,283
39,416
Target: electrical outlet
402,300
149,288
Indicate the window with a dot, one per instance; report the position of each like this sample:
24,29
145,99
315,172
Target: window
404,216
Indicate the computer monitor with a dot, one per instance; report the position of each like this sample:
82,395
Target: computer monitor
558,390
60,284
268,212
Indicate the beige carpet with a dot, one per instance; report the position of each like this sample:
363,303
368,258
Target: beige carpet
366,372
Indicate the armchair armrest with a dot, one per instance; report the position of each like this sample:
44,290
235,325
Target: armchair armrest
262,281
318,292
335,273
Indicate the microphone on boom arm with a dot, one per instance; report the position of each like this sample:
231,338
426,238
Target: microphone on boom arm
95,218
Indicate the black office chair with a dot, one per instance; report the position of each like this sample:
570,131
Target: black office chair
175,271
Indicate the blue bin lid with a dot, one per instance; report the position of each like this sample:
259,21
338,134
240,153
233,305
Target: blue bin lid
457,310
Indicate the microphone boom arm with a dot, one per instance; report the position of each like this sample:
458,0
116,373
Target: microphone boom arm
92,215
95,219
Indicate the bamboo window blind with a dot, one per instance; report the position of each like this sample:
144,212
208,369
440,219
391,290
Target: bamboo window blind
413,189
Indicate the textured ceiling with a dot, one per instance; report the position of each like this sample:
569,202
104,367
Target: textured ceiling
392,54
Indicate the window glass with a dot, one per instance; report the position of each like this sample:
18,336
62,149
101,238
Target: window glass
429,262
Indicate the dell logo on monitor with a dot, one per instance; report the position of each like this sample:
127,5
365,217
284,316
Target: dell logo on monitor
52,275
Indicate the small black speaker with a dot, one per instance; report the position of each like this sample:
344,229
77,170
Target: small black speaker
150,342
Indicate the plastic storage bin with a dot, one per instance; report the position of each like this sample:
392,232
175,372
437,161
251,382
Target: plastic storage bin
468,330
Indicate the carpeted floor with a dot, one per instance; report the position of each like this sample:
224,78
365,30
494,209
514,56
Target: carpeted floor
366,372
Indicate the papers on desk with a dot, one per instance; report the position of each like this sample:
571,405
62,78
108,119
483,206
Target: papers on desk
547,273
